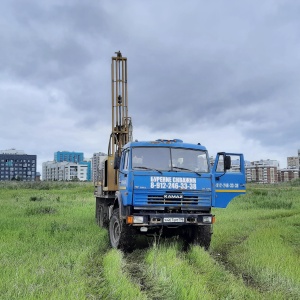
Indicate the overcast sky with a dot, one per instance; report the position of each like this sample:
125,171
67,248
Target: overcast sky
222,73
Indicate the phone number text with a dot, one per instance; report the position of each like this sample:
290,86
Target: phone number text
173,185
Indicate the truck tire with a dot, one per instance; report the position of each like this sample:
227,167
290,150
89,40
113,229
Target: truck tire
102,214
203,236
121,236
188,236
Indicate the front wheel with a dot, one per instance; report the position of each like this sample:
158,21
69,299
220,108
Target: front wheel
197,235
121,236
203,236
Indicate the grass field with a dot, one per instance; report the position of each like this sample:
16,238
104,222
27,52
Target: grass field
51,248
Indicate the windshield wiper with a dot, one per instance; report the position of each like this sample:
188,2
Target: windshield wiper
186,169
180,168
150,169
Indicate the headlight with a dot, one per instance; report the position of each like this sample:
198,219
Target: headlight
138,219
207,219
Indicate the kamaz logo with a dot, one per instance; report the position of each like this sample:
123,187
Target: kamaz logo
173,196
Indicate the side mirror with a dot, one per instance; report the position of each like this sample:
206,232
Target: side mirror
227,162
117,161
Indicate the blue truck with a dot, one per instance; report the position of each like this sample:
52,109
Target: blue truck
165,187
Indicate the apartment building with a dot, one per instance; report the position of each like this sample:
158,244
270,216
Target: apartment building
67,166
287,175
262,171
64,171
293,162
16,165
292,170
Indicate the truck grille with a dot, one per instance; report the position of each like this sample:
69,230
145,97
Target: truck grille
176,198
186,200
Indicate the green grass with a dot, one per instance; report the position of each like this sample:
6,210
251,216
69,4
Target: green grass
258,237
266,258
44,244
51,248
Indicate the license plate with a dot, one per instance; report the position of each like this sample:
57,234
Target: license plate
173,220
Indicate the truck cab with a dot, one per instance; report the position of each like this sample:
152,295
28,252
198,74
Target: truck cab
171,186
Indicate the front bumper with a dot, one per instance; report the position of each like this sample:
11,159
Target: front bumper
170,219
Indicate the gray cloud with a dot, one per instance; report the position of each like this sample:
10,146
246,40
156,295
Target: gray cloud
192,67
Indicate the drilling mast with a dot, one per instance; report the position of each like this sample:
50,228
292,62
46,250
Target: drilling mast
121,132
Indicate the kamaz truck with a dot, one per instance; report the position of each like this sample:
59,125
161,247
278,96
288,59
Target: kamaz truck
163,186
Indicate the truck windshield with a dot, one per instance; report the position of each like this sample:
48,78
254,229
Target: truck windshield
169,159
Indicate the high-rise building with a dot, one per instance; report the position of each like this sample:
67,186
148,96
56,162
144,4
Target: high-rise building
87,162
16,165
61,156
97,164
293,162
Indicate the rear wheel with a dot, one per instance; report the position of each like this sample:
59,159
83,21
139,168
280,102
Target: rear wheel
102,214
121,236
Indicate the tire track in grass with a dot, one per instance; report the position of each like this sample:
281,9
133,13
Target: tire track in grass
270,261
221,257
168,266
139,273
108,277
232,258
113,274
166,272
220,281
95,281
118,280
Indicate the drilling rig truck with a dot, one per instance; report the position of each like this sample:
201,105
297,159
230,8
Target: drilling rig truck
163,186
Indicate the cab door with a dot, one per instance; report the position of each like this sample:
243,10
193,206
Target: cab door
229,176
124,176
